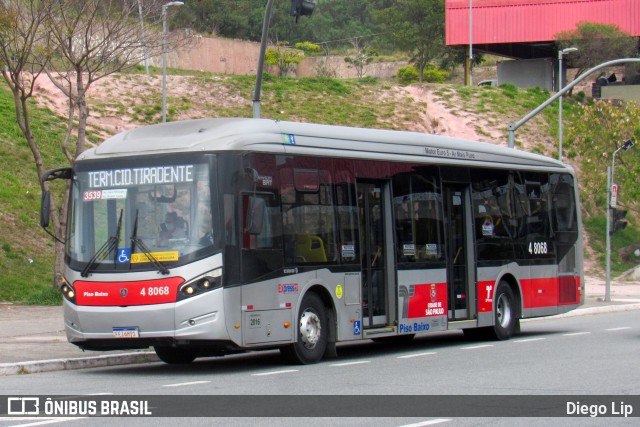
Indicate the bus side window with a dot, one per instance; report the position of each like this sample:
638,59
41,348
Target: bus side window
308,217
418,218
495,219
261,235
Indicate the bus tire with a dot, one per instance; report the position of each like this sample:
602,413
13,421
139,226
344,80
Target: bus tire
313,330
505,312
175,355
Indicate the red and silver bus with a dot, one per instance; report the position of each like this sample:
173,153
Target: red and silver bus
213,236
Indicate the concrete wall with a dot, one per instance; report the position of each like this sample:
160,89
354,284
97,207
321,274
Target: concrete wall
623,92
527,73
229,56
214,54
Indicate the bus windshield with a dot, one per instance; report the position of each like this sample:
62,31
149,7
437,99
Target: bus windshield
141,215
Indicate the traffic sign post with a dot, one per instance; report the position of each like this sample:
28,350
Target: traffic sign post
614,196
617,214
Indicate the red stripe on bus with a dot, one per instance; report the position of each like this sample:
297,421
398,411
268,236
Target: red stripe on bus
144,292
536,293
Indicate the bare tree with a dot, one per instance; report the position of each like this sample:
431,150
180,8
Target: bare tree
94,39
24,55
76,43
363,56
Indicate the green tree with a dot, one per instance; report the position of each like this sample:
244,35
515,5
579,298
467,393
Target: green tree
227,18
595,133
596,43
417,26
332,19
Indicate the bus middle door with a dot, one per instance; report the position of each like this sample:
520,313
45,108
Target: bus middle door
375,233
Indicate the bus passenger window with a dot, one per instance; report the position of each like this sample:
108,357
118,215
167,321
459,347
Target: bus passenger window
418,216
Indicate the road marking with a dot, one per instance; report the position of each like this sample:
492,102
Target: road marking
473,347
409,356
41,423
361,362
622,328
529,339
263,374
573,334
185,384
428,422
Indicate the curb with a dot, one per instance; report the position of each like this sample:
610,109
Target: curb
587,311
33,367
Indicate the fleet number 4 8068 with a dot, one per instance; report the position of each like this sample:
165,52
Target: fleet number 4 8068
154,291
538,248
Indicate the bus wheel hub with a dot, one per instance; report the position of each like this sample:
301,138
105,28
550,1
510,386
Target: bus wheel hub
310,328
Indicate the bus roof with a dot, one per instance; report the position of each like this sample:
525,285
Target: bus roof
264,135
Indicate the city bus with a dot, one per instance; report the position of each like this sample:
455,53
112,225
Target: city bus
213,236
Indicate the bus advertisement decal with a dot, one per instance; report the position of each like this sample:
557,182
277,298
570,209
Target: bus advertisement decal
426,300
485,296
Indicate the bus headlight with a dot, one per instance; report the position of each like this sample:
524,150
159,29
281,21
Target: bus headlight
200,285
67,291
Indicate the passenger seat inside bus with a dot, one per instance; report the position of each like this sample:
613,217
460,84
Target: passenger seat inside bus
310,248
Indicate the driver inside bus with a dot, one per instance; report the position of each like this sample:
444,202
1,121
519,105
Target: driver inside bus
173,227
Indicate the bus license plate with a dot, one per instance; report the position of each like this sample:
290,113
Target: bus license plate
125,332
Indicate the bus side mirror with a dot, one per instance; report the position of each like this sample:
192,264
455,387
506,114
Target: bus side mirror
45,209
255,215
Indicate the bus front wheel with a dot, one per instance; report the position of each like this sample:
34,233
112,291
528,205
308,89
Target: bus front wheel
313,329
176,356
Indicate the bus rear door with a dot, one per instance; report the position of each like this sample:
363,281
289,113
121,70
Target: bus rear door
460,254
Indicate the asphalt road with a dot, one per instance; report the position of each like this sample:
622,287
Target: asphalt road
584,355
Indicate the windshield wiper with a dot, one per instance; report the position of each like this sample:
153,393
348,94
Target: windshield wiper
135,240
105,249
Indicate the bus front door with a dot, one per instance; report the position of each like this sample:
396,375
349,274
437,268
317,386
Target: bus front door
460,265
374,212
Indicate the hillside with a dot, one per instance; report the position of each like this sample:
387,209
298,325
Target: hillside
123,102
126,101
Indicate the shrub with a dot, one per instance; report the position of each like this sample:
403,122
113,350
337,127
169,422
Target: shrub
433,74
407,75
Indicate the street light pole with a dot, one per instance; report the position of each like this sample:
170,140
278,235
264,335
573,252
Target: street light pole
470,42
610,182
560,54
144,47
263,47
298,8
164,56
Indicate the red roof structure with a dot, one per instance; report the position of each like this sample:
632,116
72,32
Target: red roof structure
527,28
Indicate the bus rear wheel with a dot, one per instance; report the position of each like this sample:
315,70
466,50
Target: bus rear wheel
313,329
176,356
506,321
505,312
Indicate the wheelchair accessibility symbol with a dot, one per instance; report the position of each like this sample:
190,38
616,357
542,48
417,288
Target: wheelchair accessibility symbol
356,328
124,255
